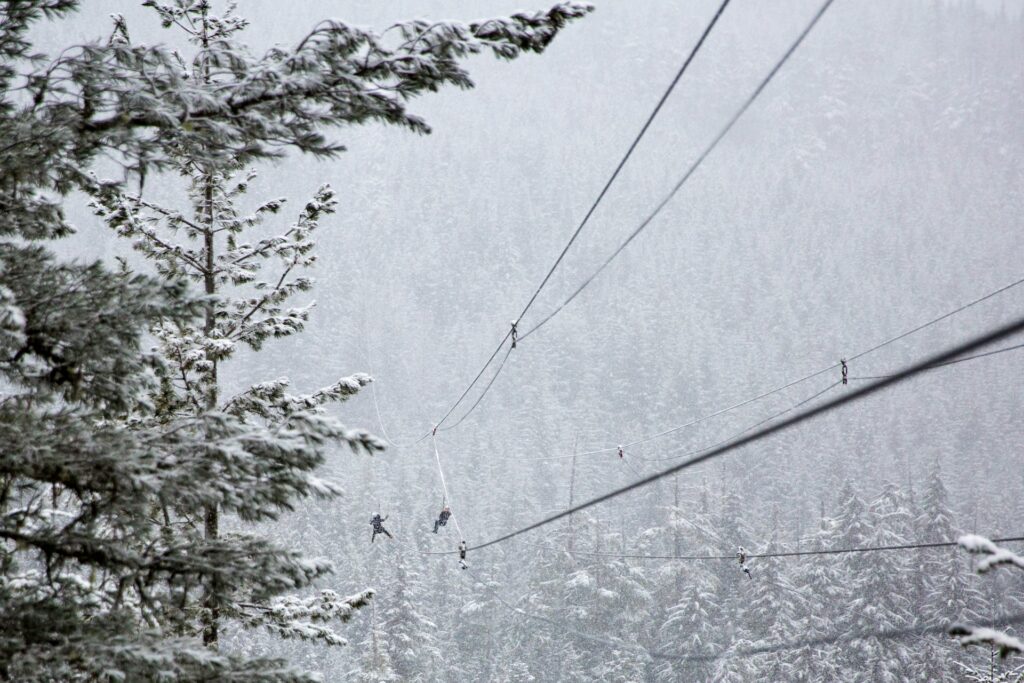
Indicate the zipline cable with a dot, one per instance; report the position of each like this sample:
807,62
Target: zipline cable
735,406
482,393
593,207
691,423
473,383
977,342
951,362
682,181
780,554
629,152
807,377
760,396
747,429
937,320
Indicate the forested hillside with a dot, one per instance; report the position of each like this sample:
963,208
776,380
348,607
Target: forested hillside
875,185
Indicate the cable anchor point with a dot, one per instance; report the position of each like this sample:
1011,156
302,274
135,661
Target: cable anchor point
515,333
846,371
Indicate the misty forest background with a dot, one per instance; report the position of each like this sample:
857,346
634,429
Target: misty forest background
876,184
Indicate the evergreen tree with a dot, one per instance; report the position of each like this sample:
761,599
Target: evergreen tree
101,566
412,635
945,592
376,666
826,583
263,443
890,522
693,620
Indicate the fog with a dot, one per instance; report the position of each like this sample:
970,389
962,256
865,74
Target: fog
875,185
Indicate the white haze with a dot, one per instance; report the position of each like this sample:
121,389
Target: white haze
875,185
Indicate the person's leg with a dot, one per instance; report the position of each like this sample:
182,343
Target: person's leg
373,536
436,522
388,533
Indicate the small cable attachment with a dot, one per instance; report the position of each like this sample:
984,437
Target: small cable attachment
434,432
846,371
622,453
515,333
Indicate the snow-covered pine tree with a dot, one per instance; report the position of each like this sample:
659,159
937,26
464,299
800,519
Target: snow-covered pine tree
554,651
775,611
693,620
853,606
89,584
947,594
884,606
824,584
412,635
690,626
264,442
375,663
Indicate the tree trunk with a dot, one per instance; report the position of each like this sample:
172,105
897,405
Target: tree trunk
211,526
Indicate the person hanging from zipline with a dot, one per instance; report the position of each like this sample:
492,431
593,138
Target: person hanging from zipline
378,526
462,554
742,556
442,519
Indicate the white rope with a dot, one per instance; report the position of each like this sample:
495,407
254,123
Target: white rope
444,485
630,465
376,405
380,421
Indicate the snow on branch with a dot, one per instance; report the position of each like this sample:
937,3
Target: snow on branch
979,635
994,555
336,75
304,618
528,32
269,399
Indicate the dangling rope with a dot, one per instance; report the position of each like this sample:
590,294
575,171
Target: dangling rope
622,456
376,405
444,484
